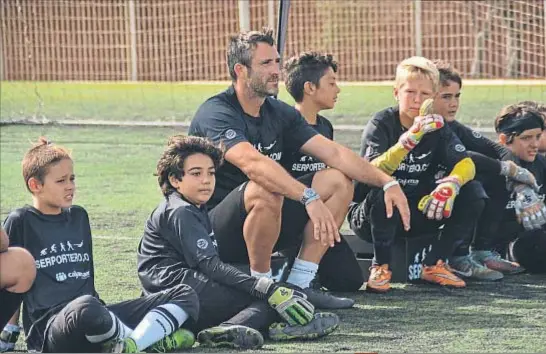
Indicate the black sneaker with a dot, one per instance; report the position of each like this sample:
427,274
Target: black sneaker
324,300
237,337
322,324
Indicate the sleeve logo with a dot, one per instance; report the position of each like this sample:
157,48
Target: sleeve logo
230,134
476,134
460,148
202,243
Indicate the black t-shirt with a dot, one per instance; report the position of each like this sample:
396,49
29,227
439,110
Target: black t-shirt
300,164
279,129
475,141
62,248
418,169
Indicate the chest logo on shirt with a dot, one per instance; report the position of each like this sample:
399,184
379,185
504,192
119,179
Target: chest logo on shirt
63,247
230,134
267,150
202,243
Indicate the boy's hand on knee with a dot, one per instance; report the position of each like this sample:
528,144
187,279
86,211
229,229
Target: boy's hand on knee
518,174
439,204
530,210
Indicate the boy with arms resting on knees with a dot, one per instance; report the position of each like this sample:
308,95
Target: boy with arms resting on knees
520,129
409,145
492,160
257,207
311,81
179,247
62,312
17,273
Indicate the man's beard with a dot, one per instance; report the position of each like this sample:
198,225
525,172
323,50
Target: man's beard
259,88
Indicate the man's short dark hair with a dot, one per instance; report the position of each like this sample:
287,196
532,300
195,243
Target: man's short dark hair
242,45
447,73
179,147
307,67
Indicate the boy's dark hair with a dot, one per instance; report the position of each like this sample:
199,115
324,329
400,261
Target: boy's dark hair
40,157
241,47
447,73
179,147
513,119
541,108
307,67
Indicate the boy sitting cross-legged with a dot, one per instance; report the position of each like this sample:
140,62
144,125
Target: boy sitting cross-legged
179,247
62,312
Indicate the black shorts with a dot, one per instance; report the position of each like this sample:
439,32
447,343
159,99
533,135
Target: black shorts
230,214
10,303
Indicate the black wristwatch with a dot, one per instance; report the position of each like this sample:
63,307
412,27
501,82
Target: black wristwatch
309,195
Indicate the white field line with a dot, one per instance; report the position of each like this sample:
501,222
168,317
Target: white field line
92,122
466,82
112,237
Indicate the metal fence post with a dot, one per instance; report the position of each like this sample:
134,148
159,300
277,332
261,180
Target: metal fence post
417,9
133,40
244,15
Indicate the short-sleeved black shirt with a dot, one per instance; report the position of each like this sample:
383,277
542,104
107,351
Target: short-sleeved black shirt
62,248
420,165
300,164
177,236
279,129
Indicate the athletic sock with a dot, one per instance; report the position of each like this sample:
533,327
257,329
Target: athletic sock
157,324
118,330
256,274
302,273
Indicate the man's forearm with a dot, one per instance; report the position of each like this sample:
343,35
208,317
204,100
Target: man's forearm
274,178
358,168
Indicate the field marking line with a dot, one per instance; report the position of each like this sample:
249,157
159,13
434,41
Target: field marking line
159,124
466,82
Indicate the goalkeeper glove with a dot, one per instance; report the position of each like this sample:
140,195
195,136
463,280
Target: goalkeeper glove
8,337
439,203
421,125
518,174
530,210
290,304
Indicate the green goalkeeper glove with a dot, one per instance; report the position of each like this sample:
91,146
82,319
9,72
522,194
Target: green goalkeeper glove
291,304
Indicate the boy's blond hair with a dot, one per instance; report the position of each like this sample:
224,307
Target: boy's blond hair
416,67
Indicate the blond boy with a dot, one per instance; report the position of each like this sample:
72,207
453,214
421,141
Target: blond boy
409,147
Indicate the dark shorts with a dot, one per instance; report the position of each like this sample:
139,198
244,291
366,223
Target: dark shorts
230,214
66,330
10,303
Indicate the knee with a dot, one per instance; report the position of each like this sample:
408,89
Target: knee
22,267
86,310
185,297
259,199
331,182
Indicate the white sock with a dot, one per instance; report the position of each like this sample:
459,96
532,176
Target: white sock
157,324
256,274
302,273
118,330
